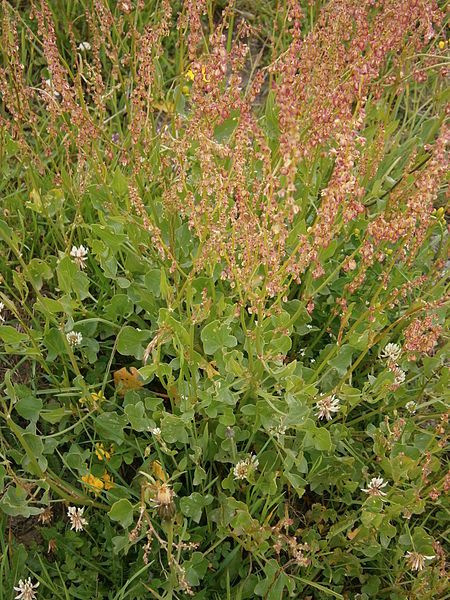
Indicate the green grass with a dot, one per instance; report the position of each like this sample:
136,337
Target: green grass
187,365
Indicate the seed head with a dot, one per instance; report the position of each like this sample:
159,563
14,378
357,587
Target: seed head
416,561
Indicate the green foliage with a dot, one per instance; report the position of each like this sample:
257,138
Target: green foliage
224,441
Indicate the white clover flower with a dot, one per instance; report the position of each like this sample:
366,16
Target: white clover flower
375,487
416,561
84,46
243,468
400,375
391,352
155,431
278,431
2,308
76,518
74,338
327,406
26,589
79,256
411,406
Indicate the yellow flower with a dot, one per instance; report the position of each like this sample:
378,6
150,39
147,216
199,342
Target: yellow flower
102,453
93,482
190,74
108,481
205,79
442,44
93,400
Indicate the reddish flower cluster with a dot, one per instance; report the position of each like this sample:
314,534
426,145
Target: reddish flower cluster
263,207
421,336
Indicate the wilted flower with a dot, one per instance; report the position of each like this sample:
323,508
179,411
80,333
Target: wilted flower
79,256
326,406
416,561
375,486
76,518
26,589
229,432
2,308
244,467
391,352
46,516
162,499
84,46
74,338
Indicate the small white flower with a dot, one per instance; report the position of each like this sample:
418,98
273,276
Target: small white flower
76,518
375,487
400,375
74,338
244,467
79,256
2,308
411,406
84,46
391,352
26,589
416,561
327,406
309,326
278,431
155,431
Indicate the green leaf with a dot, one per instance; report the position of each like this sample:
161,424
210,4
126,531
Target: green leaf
10,335
113,239
173,429
71,279
29,407
55,344
118,307
38,270
343,360
215,335
135,414
132,342
192,506
322,439
109,426
122,512
14,503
